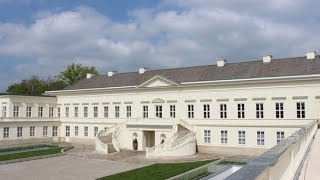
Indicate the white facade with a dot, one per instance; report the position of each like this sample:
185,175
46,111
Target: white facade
232,114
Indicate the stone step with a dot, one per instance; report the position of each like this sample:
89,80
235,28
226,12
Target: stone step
106,139
182,131
111,148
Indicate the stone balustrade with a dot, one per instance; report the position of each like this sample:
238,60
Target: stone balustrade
283,161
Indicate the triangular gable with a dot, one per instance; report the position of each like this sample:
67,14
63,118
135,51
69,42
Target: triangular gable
158,100
158,81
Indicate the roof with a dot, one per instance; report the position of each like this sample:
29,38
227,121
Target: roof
23,96
230,71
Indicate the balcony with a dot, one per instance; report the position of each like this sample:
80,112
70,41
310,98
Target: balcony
29,119
150,122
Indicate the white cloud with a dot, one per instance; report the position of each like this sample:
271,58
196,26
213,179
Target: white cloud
197,32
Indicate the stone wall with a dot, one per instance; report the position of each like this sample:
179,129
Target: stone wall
283,161
231,151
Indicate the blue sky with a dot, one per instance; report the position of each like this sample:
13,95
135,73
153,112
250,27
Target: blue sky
42,37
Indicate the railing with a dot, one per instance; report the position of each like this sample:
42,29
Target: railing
11,119
100,146
115,135
150,121
186,125
182,141
173,142
165,145
283,161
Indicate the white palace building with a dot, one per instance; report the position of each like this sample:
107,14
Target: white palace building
236,108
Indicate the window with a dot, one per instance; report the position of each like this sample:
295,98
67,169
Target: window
173,111
54,131
67,111
117,111
76,130
207,136
190,111
50,111
45,131
19,132
159,111
40,111
240,110
16,111
32,131
106,111
58,112
4,111
206,111
259,110
6,132
95,111
301,110
67,131
86,131
260,138
96,129
145,111
224,137
223,111
279,110
242,137
280,136
128,111
76,111
29,111
85,111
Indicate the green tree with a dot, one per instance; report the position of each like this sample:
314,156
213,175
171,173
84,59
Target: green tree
31,86
35,86
76,72
53,83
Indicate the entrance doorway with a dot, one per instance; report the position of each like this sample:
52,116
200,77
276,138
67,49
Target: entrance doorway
149,138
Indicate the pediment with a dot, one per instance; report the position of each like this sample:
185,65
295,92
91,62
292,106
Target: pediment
158,81
158,100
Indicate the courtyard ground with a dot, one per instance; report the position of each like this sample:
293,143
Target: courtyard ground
63,168
84,163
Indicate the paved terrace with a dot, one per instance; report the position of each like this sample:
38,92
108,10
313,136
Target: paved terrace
63,168
310,170
83,162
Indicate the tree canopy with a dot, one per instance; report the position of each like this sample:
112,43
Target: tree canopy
37,86
76,72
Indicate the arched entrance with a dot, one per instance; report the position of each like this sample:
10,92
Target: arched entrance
135,141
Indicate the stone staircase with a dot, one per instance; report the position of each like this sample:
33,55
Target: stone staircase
182,131
182,143
106,140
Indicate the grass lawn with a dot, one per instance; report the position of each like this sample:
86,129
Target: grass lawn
158,171
52,150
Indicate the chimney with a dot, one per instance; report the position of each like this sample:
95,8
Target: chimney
311,54
221,62
89,76
111,73
143,70
267,59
